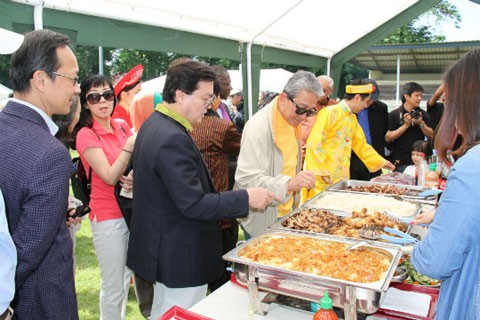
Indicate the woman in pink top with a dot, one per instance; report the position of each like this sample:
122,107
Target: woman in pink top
106,145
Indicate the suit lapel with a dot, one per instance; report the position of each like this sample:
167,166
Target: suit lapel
199,154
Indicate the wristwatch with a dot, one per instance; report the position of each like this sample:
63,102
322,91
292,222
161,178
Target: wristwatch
422,125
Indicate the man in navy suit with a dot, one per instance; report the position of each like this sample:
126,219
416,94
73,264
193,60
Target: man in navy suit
34,172
175,238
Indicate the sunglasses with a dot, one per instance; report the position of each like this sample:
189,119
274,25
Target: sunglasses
299,110
94,98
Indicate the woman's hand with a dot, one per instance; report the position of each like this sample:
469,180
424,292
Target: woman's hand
130,143
424,218
72,221
127,182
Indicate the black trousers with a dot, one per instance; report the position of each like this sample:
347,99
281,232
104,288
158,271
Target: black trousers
229,239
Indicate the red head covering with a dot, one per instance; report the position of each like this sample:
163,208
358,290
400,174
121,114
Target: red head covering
131,77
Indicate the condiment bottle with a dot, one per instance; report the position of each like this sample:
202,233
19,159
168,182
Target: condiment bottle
432,178
325,312
422,170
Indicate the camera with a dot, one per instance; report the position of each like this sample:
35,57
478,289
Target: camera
416,113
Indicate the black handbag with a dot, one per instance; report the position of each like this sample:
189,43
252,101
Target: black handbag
125,204
81,182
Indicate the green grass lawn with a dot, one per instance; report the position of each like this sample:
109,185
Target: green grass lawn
87,279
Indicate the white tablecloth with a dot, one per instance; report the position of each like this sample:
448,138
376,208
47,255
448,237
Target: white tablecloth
231,302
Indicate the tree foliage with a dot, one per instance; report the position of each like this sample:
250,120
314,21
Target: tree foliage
4,66
417,31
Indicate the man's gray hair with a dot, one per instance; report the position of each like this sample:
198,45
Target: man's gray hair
303,80
326,78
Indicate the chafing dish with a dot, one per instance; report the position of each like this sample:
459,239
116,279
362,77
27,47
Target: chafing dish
351,296
410,192
349,201
280,224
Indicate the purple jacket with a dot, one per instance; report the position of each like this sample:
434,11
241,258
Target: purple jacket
34,172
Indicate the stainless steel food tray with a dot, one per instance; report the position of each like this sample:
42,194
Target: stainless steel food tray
351,296
279,224
350,201
411,194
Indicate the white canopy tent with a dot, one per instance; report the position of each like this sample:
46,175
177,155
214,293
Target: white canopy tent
308,26
295,32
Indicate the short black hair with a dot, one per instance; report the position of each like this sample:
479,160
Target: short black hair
409,88
185,77
418,146
37,52
422,146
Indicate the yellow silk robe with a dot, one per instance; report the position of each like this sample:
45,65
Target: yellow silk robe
335,133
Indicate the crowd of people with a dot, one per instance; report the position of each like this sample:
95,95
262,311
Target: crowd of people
196,171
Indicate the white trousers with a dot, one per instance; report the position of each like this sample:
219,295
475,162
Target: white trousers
110,238
164,298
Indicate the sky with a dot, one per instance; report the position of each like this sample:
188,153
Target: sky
470,25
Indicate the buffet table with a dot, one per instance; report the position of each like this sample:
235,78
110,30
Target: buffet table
231,302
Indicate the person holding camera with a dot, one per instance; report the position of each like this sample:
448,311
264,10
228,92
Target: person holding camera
407,124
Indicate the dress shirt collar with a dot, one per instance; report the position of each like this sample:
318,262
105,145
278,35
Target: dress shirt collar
52,127
175,116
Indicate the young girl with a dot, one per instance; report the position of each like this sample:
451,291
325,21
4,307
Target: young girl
419,147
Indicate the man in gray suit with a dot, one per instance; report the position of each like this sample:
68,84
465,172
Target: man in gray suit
34,174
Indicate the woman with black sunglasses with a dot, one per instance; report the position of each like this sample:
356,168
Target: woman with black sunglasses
106,145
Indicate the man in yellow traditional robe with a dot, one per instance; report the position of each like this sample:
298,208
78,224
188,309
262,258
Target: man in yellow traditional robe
335,133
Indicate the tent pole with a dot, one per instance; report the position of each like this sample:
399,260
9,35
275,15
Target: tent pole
249,57
249,79
100,60
38,15
397,94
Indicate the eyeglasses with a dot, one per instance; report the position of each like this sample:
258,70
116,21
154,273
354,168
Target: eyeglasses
211,100
74,79
299,110
94,97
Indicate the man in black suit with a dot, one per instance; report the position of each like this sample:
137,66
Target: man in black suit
175,238
374,122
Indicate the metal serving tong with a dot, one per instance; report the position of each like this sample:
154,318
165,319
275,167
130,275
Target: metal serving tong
397,219
429,193
373,232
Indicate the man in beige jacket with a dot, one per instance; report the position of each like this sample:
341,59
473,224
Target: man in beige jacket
270,152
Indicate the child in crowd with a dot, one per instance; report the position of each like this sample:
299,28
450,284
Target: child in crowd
419,147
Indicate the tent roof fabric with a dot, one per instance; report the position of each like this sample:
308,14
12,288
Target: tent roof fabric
307,26
414,58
